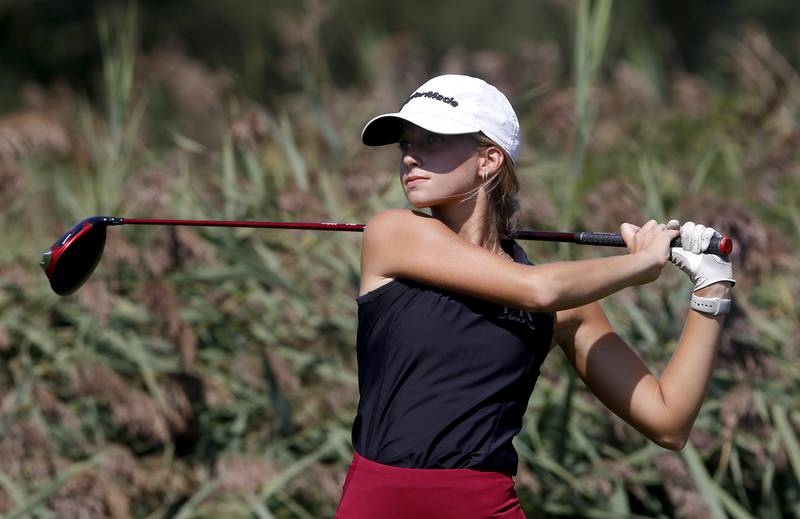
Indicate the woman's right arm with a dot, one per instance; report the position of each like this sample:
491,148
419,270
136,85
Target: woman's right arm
403,244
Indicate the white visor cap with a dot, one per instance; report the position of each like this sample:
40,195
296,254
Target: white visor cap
451,105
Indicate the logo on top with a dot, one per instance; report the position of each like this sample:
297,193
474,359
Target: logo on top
518,316
433,95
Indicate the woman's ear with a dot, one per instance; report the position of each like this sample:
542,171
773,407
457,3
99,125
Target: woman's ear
490,162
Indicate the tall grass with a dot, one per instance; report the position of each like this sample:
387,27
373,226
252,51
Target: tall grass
211,373
591,34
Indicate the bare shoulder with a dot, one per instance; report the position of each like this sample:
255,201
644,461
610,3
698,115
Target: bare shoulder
392,221
383,238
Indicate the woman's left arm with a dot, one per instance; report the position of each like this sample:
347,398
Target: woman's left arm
663,409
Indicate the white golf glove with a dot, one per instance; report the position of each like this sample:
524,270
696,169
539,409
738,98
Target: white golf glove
702,269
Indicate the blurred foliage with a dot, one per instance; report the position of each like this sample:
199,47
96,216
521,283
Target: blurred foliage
48,40
211,372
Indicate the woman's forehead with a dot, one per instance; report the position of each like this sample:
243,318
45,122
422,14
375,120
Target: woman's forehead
411,130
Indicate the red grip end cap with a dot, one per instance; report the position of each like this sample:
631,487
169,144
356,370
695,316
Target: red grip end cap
726,246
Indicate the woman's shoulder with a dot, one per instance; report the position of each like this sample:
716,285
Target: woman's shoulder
397,231
384,236
398,219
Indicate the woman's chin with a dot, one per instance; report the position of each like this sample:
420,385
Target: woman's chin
419,203
420,198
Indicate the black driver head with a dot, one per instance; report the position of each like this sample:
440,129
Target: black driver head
73,257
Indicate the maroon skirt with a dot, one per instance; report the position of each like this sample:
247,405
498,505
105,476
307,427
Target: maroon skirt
372,490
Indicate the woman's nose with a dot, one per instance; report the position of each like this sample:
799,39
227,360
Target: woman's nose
411,159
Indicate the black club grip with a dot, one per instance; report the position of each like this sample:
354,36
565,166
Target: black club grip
600,238
720,245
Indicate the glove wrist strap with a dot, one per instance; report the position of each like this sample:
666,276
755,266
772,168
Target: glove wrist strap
710,305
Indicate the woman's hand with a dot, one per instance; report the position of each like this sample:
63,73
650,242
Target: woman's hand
650,243
705,270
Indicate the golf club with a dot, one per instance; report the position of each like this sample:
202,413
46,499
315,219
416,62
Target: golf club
72,258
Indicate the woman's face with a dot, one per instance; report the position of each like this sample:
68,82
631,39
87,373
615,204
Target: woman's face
436,168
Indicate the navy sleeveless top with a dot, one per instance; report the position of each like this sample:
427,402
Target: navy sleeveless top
444,378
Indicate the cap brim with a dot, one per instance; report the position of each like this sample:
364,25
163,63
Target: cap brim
387,128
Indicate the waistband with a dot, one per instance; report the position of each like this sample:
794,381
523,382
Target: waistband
373,490
437,476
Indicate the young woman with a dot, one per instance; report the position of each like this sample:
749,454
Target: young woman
454,322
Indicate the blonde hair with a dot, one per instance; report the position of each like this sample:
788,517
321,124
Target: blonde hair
502,190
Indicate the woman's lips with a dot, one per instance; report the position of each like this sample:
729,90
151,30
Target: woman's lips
413,180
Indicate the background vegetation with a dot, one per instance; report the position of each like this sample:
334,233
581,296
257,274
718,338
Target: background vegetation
210,373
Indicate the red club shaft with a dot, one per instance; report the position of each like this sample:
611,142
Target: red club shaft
309,226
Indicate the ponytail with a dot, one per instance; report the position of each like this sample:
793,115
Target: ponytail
502,190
